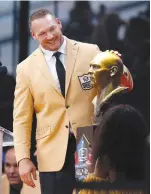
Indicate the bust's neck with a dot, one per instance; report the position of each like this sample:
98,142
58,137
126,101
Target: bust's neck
102,93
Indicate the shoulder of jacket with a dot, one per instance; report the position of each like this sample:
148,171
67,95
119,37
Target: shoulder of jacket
26,61
82,44
87,45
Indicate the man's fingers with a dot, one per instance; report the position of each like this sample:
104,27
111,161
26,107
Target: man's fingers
26,168
116,52
27,179
24,178
30,181
34,174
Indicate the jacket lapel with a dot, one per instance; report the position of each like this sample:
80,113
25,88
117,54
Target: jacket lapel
43,66
71,53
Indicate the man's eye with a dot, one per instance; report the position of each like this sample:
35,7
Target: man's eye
42,33
7,165
52,29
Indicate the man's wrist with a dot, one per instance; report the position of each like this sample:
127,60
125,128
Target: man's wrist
23,159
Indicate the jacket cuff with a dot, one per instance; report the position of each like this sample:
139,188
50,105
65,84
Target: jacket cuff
21,152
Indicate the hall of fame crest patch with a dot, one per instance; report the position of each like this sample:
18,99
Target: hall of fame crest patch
85,81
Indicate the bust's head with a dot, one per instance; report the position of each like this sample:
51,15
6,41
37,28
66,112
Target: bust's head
107,68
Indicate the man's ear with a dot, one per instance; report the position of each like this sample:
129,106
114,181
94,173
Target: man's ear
113,71
33,35
59,22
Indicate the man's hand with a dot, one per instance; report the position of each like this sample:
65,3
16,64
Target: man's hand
115,52
27,172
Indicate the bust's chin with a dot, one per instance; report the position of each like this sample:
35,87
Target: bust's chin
93,84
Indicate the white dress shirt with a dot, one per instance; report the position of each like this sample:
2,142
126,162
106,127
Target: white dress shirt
51,60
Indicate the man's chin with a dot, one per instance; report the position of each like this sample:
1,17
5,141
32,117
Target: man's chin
54,47
14,182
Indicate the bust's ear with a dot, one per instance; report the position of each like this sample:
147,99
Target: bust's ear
113,71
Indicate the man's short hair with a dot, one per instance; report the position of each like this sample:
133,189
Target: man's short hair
6,149
40,13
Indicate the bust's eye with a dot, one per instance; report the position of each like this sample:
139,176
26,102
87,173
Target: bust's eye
96,67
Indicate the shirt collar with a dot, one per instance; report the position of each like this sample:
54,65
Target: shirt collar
48,54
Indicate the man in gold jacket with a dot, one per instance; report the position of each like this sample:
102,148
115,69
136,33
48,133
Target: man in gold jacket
62,102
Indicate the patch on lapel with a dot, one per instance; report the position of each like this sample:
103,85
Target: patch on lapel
85,81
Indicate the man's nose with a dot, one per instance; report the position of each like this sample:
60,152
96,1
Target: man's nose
12,169
50,36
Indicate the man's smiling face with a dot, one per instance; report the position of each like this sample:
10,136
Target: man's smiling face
47,31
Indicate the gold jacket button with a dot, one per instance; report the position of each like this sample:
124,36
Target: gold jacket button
67,106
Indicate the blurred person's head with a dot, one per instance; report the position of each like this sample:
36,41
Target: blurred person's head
120,143
82,11
102,11
46,29
113,23
103,8
138,30
3,69
11,168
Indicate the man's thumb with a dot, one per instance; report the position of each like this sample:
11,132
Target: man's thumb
34,174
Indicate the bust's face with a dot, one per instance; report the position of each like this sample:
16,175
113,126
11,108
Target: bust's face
101,68
107,67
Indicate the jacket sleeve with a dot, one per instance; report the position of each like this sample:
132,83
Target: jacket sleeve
22,114
97,50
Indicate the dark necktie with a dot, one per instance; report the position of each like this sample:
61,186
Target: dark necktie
60,72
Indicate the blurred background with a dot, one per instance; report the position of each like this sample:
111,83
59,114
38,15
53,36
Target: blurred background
110,24
117,25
